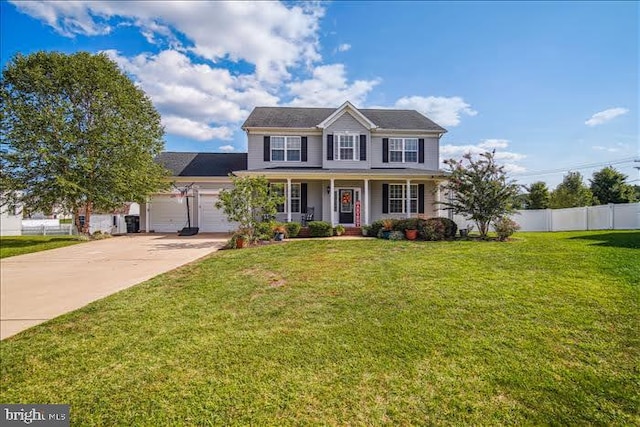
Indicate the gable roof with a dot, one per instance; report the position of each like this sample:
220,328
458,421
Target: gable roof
202,164
297,117
347,107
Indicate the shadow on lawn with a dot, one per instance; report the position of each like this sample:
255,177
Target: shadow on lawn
25,243
629,239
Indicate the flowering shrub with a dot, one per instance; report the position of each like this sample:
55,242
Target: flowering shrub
505,227
432,229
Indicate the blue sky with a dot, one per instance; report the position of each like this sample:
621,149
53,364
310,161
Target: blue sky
551,86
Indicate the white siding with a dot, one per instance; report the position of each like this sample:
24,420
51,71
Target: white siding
431,152
346,123
255,156
430,207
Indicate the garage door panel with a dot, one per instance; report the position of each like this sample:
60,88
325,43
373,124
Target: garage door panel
212,219
167,215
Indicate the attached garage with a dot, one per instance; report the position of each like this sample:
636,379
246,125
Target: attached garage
167,214
211,219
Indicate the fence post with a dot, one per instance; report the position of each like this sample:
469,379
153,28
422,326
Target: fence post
549,215
586,217
44,230
612,214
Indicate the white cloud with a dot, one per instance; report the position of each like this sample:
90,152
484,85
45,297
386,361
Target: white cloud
344,47
269,35
196,130
508,159
226,148
328,87
605,116
444,111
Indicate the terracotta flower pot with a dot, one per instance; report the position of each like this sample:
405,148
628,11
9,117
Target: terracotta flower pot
411,234
239,243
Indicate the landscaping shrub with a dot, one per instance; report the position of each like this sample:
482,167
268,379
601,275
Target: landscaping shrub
432,229
450,227
505,227
264,230
374,228
320,229
293,229
396,235
366,231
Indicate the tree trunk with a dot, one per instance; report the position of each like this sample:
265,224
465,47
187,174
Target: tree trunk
87,217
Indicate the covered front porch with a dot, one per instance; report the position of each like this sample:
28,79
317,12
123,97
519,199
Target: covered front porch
353,198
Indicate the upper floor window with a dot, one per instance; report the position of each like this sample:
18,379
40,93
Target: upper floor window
348,147
403,150
285,148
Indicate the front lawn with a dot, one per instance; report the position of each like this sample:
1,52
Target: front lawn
541,330
20,245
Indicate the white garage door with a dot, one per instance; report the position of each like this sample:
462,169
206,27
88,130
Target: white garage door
212,219
167,215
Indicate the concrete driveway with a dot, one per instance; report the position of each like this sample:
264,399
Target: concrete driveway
40,286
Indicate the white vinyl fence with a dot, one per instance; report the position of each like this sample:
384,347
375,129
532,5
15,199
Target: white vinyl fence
604,217
105,223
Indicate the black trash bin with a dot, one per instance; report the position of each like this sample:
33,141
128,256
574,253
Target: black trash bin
133,223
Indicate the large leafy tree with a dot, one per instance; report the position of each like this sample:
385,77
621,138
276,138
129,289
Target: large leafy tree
571,193
480,189
608,185
538,197
248,202
76,134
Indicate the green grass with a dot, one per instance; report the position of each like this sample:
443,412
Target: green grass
540,330
20,245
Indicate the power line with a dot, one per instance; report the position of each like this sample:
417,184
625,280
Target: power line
576,167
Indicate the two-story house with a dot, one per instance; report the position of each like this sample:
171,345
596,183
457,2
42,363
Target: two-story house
349,166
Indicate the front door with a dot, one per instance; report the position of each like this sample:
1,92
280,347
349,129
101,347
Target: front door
345,197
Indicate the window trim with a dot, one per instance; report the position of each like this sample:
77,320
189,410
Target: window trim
337,146
404,198
286,148
404,150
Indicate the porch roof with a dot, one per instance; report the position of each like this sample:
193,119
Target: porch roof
323,173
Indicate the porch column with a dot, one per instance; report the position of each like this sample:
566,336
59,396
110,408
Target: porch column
332,201
408,201
288,201
366,202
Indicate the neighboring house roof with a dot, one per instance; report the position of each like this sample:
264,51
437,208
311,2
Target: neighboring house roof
202,164
296,117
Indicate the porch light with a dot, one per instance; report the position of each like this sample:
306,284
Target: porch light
328,189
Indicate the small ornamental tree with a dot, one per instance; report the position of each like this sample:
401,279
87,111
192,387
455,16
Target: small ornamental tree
248,202
479,189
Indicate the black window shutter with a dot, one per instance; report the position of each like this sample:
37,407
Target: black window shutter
421,150
303,197
267,148
330,147
385,150
363,147
303,154
385,198
421,198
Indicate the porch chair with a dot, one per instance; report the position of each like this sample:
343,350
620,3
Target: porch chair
307,216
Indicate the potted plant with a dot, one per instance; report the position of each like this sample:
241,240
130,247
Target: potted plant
238,240
339,230
387,227
411,232
279,232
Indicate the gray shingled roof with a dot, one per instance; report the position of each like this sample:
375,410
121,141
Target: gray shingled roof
294,117
202,164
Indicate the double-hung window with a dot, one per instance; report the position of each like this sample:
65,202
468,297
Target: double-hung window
398,200
403,150
285,148
347,147
294,201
